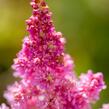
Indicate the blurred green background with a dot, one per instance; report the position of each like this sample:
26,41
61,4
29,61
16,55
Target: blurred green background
84,23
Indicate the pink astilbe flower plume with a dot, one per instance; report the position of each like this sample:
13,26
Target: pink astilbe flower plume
48,79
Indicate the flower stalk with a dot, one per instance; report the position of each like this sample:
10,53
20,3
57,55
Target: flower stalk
48,79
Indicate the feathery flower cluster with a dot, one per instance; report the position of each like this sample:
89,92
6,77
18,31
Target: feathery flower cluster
48,79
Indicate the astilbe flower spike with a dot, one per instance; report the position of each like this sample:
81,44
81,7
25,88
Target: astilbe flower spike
48,79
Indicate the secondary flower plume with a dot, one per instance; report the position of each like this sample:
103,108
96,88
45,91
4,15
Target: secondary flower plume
48,79
105,106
